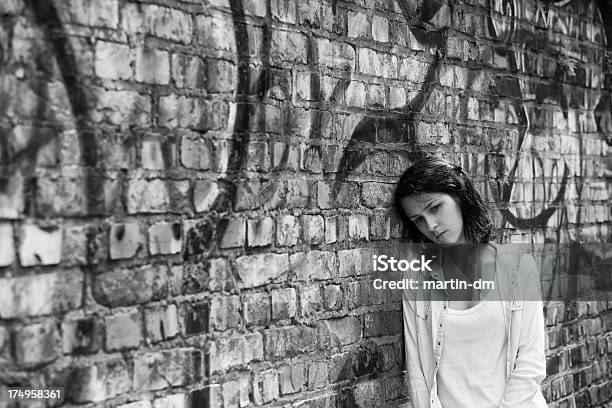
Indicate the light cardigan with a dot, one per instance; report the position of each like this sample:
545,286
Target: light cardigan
519,287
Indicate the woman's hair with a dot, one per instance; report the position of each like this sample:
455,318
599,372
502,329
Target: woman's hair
434,175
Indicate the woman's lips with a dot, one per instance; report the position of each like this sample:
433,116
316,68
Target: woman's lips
440,234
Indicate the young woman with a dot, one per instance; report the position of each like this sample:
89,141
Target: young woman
465,347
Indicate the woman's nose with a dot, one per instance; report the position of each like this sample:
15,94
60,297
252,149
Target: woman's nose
432,224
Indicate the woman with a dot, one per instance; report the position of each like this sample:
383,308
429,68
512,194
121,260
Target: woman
467,347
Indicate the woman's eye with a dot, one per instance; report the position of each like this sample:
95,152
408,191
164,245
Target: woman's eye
435,208
418,220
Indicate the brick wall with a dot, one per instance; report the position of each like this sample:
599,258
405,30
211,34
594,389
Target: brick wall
187,187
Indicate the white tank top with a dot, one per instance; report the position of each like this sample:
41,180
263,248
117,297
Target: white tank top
472,370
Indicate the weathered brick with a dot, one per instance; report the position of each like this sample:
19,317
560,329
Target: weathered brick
166,368
284,303
256,308
338,194
289,341
358,226
291,378
84,335
213,30
36,344
258,158
125,287
284,10
227,353
377,195
7,248
332,295
171,401
370,394
380,29
209,195
350,262
288,230
195,317
165,238
355,94
188,71
236,393
221,76
152,66
313,228
120,107
358,25
162,22
124,330
196,153
315,265
40,245
335,54
380,226
288,46
311,300
161,322
234,234
91,13
114,60
260,232
317,375
98,381
331,229
225,312
154,196
137,404
41,294
339,332
124,240
12,196
285,157
300,194
265,387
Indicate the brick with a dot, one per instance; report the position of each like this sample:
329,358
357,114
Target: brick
36,295
340,332
332,295
40,245
196,153
98,381
188,71
221,76
167,368
300,194
156,153
234,351
91,13
370,394
313,265
7,248
258,158
284,303
165,238
153,196
288,47
137,404
380,29
36,344
83,335
331,229
236,393
161,322
12,197
288,230
256,308
311,300
335,54
317,375
162,22
432,133
152,66
265,387
284,10
260,232
124,240
225,312
114,60
380,226
234,234
123,330
313,229
288,341
285,157
338,194
358,25
211,195
195,317
377,195
212,31
126,287
355,94
350,262
358,226
120,107
171,401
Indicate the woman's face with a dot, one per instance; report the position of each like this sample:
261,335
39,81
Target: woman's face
437,215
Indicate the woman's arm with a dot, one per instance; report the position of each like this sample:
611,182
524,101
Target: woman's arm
530,365
418,388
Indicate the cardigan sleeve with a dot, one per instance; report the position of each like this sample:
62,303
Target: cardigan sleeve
416,379
530,364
